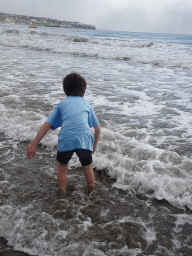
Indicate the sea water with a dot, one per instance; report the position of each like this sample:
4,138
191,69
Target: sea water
139,85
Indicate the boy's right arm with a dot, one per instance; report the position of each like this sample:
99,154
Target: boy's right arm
96,137
31,148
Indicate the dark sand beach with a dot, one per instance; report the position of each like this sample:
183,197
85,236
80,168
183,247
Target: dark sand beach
6,250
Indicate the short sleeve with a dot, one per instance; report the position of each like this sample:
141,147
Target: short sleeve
92,120
55,118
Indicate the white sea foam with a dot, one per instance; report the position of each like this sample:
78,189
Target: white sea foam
141,169
144,52
135,164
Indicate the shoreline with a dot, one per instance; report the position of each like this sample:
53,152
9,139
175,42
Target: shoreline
16,19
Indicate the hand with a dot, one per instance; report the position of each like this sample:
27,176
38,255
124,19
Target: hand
31,151
31,148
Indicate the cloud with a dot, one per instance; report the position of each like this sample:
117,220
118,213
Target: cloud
172,18
126,20
169,16
150,16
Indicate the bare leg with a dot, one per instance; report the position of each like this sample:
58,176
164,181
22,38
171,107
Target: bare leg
89,176
62,176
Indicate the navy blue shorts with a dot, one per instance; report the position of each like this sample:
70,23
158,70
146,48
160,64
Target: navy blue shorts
85,156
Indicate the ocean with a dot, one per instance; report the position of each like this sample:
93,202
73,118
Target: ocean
140,87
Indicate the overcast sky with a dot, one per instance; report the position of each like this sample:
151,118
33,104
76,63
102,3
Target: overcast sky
161,16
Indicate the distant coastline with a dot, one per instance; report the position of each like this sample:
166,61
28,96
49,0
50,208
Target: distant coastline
6,18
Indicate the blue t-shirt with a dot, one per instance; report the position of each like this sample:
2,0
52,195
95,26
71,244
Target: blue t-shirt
74,115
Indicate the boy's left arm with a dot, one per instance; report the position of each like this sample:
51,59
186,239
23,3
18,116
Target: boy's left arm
96,136
31,148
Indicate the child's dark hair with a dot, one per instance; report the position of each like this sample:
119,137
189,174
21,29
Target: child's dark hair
74,85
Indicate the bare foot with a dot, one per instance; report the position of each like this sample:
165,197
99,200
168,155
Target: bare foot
90,189
70,188
61,192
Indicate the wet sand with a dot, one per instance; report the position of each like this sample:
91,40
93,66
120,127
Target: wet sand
142,222
6,250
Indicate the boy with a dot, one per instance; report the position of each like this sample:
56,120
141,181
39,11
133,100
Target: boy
74,115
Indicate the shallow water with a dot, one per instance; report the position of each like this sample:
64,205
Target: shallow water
109,221
140,88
